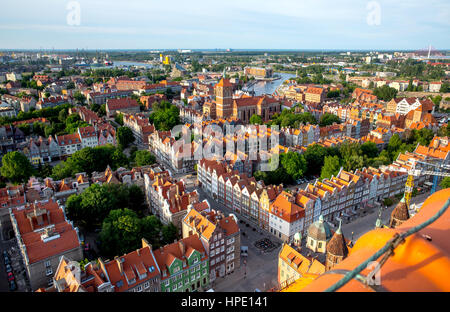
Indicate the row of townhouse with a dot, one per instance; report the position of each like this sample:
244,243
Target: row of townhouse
37,189
44,189
20,104
140,126
335,199
399,85
42,150
10,137
237,191
182,266
220,236
305,135
101,98
172,153
168,199
189,115
356,111
437,153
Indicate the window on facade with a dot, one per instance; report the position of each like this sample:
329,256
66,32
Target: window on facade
139,288
146,285
47,264
48,271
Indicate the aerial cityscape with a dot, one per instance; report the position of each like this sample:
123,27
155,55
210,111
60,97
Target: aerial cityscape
218,156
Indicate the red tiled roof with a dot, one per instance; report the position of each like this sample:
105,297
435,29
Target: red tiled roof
38,216
114,104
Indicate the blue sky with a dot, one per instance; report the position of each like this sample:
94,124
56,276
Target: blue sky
237,24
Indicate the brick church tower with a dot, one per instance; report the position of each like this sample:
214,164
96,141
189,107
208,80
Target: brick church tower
224,98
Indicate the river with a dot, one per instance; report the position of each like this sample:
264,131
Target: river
269,87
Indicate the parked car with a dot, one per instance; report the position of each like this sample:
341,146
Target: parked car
7,261
5,253
10,276
12,286
8,268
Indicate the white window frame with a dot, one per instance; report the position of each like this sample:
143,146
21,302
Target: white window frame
48,271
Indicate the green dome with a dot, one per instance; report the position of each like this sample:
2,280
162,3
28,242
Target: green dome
320,230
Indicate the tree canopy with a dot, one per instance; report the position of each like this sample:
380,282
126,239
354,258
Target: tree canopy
385,93
328,119
164,116
16,167
288,118
330,167
89,160
125,137
445,183
94,204
122,231
144,158
256,120
294,164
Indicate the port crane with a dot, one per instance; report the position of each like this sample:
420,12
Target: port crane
439,171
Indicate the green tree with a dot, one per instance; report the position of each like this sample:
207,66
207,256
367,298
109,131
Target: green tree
369,149
124,137
119,119
330,167
169,233
39,128
25,128
164,116
294,164
445,183
333,94
315,155
16,167
79,97
385,93
144,158
328,119
445,87
394,145
256,120
121,232
83,263
151,229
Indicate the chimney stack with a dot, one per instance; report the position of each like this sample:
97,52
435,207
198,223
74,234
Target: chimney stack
182,247
119,264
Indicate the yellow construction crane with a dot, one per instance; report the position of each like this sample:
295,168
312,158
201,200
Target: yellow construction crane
414,172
